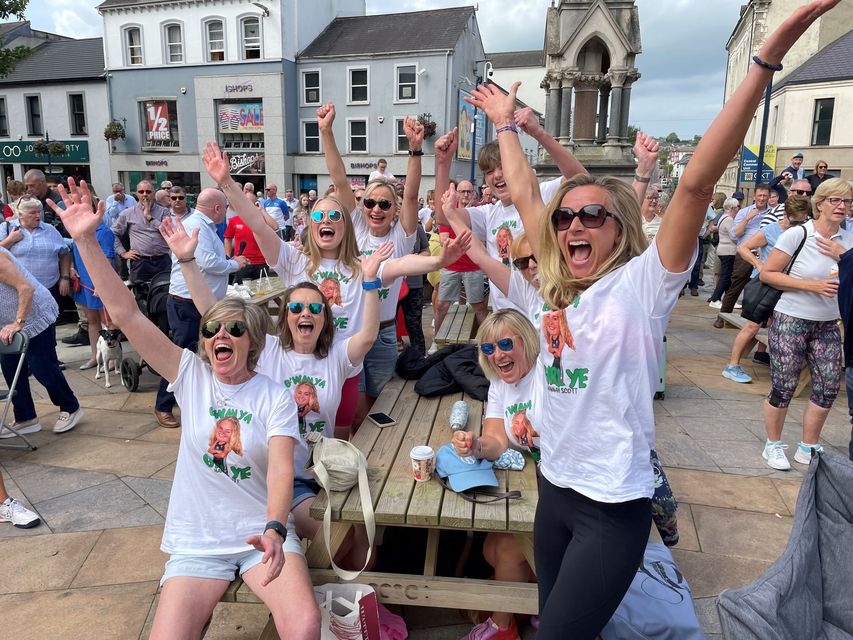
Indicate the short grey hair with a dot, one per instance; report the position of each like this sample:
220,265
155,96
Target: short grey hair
730,204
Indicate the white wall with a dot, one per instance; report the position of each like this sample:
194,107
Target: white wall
529,92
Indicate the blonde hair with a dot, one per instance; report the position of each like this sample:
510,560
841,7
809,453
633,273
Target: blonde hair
257,325
827,189
382,183
717,200
235,442
558,286
348,249
515,247
492,327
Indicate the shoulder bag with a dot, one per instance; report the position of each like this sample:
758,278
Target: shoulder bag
760,298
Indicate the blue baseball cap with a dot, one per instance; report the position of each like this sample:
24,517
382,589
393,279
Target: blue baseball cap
738,195
797,155
460,475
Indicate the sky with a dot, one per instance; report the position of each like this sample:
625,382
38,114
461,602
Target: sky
683,64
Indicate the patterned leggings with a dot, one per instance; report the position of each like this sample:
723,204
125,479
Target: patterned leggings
794,342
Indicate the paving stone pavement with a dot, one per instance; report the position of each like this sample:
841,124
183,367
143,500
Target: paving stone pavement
92,568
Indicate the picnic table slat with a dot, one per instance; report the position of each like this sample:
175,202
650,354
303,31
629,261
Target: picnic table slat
487,516
442,335
455,334
457,513
522,510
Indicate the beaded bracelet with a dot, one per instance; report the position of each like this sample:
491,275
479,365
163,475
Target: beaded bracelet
509,127
766,65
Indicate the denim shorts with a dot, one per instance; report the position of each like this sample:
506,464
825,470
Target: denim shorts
302,490
453,281
379,363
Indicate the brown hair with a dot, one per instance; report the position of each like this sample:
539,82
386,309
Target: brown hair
327,334
489,157
256,319
797,204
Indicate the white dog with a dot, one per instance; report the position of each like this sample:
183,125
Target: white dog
109,348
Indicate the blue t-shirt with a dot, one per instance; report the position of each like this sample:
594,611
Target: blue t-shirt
771,234
278,211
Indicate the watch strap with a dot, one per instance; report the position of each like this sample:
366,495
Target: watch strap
278,527
416,152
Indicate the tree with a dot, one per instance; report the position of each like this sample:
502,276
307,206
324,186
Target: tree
632,133
672,137
696,139
10,57
663,155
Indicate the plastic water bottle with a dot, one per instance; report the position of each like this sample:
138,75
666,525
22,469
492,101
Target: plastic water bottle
459,416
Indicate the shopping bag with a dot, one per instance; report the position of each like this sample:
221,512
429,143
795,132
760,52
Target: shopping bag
349,611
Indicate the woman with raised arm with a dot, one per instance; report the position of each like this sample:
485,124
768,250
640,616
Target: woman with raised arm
380,218
329,258
228,511
616,294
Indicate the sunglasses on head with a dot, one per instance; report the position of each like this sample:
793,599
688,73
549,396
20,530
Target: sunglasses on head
143,191
383,203
523,262
178,197
504,344
235,328
592,216
316,308
332,216
801,192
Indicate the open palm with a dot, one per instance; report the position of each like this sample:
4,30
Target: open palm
180,242
79,217
216,163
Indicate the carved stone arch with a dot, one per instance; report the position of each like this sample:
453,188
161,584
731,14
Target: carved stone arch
593,46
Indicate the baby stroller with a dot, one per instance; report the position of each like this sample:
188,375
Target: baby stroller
151,299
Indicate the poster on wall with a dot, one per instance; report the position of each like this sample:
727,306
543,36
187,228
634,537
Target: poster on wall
243,117
247,163
465,148
157,121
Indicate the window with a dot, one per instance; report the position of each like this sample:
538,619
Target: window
250,33
215,33
34,126
357,136
159,120
310,87
77,111
402,142
407,83
310,136
133,45
822,126
358,89
174,42
4,120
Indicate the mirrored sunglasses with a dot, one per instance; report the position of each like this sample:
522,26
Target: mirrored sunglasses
332,216
523,262
235,328
316,308
383,203
504,344
592,216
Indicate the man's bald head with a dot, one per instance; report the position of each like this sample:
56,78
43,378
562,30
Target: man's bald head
212,203
466,192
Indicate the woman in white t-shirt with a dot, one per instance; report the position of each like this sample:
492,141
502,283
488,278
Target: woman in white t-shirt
593,517
805,320
230,501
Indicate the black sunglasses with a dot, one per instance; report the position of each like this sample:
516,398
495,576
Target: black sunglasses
592,216
178,197
523,262
143,191
235,328
316,308
504,344
383,204
801,192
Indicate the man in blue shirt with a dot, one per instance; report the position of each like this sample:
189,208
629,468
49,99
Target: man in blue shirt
278,211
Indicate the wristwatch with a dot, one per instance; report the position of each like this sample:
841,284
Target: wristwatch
416,152
276,526
370,285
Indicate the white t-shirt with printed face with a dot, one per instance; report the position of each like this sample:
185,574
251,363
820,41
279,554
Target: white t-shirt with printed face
810,264
520,407
601,371
497,225
525,297
367,244
338,284
315,386
219,495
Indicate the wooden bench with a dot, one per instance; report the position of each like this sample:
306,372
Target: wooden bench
457,326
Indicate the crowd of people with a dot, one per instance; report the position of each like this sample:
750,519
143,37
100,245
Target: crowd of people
581,274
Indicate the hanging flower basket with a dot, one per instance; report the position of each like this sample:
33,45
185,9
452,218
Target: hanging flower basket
56,148
40,147
429,125
114,130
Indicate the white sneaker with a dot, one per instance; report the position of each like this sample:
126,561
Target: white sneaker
716,304
23,428
737,305
67,420
774,453
804,452
432,349
16,513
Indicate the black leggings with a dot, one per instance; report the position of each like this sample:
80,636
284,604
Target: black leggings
587,554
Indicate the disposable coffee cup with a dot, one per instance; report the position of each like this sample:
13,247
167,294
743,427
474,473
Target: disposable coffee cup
423,462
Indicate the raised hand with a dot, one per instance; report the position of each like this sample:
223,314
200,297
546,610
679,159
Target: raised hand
370,264
273,556
783,38
216,163
445,146
79,217
527,121
646,150
499,106
180,242
414,131
454,249
326,116
450,199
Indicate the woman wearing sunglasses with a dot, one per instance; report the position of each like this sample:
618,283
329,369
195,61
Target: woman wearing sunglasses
593,517
218,522
374,224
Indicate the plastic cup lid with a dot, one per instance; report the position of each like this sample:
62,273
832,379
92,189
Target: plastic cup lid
422,452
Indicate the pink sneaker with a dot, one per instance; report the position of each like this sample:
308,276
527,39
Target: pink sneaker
488,630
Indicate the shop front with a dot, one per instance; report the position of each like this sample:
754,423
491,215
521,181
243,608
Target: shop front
16,158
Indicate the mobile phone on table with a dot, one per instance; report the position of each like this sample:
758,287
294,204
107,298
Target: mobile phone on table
381,419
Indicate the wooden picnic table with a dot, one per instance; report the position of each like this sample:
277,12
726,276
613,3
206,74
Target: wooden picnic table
457,326
272,295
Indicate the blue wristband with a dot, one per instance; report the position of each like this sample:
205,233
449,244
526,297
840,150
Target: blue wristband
370,285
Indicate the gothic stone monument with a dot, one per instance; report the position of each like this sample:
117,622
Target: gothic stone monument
590,48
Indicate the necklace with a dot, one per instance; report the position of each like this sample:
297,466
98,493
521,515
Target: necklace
217,392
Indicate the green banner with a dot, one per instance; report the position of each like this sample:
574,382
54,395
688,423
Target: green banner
75,151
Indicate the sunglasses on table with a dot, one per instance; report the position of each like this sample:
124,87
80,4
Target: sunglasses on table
523,262
504,344
332,216
592,216
178,197
383,204
316,308
235,328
